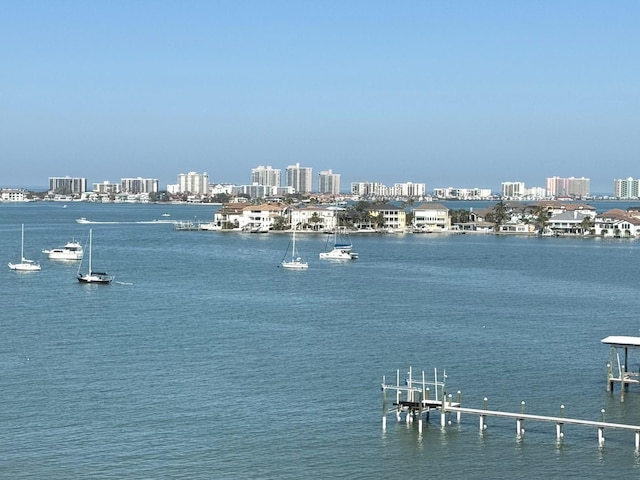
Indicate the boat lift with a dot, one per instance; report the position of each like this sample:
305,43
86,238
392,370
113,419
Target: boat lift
619,371
417,397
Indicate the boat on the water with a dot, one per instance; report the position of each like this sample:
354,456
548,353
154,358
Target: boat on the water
71,251
342,248
25,265
82,220
92,276
296,262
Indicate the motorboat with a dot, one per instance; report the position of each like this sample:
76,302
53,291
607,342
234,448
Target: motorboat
71,251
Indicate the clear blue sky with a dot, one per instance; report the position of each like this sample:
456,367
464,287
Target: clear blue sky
446,93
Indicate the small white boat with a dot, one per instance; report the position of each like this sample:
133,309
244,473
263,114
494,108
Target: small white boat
296,262
25,265
82,220
91,276
71,251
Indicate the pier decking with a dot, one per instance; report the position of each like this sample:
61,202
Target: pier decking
417,402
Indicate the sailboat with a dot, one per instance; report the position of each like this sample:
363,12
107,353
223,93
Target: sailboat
91,276
296,263
342,247
24,265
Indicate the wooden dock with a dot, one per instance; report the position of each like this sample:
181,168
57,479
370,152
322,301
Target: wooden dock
413,400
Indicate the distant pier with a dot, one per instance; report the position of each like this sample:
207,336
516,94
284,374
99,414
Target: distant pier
414,398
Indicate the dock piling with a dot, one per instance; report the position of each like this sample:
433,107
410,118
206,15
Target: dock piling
416,403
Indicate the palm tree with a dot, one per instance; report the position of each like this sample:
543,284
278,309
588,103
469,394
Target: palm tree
315,219
500,215
541,218
586,224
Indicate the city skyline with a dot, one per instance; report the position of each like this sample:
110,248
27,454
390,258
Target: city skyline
621,184
467,94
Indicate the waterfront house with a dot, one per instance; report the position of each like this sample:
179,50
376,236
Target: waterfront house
431,217
616,223
314,217
570,222
394,219
249,218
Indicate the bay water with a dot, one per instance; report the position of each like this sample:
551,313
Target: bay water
204,359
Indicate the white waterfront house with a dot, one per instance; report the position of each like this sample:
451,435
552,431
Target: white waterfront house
616,223
431,217
246,217
314,217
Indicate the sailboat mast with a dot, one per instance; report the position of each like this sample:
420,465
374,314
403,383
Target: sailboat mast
90,231
22,245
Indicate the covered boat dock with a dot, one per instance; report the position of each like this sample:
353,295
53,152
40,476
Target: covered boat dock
620,370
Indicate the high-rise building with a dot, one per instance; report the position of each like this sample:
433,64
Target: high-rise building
625,189
194,183
139,185
67,185
300,178
568,187
265,176
329,182
513,189
409,190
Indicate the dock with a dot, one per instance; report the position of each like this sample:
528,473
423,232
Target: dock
618,370
416,398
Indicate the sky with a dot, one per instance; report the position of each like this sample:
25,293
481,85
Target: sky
465,93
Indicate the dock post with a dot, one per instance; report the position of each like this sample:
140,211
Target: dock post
559,432
483,426
601,430
609,377
420,413
443,409
637,440
398,407
520,422
384,405
459,404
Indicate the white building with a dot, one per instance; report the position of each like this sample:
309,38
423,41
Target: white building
13,195
67,185
409,190
513,189
431,217
300,178
194,183
106,188
463,193
139,185
265,176
329,182
626,189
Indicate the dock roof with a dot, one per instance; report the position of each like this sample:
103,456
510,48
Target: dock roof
622,341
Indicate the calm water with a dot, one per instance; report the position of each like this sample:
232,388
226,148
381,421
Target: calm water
206,360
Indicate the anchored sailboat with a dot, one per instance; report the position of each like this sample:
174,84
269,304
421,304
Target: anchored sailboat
296,262
24,265
91,276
